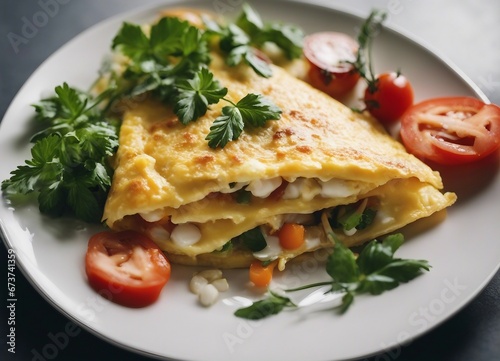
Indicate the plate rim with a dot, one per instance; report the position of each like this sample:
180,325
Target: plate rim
28,270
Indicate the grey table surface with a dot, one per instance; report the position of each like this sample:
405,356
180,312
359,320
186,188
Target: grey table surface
465,32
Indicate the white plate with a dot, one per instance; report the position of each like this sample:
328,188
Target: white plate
463,250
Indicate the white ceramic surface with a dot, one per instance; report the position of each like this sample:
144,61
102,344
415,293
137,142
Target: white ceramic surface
463,249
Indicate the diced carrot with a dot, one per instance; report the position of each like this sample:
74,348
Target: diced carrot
291,235
261,275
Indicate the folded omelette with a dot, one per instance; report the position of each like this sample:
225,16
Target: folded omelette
320,161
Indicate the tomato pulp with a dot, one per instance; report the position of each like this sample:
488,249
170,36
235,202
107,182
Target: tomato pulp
451,130
126,267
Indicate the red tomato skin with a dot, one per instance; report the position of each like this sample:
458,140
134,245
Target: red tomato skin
337,78
448,153
393,96
132,292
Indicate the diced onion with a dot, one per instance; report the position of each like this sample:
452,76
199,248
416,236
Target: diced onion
262,188
350,232
221,284
153,216
211,274
312,241
336,188
185,235
158,234
293,189
197,283
208,295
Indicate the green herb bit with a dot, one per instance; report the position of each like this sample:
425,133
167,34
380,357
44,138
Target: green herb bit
243,196
253,110
69,165
368,31
194,95
374,271
269,306
352,216
287,37
241,40
172,55
254,240
169,37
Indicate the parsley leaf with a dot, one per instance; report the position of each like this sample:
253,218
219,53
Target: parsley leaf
170,36
252,110
132,41
196,94
271,305
352,216
69,160
238,46
225,128
174,50
375,271
250,21
241,40
287,37
341,266
254,239
257,109
172,64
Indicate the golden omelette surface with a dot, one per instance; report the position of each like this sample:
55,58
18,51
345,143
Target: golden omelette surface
162,164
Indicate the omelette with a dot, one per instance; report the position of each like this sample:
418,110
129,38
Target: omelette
317,164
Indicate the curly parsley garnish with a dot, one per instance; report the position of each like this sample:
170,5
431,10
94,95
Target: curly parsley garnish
172,63
242,39
251,111
196,94
374,271
69,165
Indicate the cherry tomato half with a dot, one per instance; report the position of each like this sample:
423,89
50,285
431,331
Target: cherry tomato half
126,267
393,95
451,130
327,53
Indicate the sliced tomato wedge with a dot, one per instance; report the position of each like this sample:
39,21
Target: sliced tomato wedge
329,54
451,130
126,267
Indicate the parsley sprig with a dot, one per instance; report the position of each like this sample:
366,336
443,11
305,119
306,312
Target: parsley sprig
271,305
253,110
242,39
374,271
69,160
172,63
196,94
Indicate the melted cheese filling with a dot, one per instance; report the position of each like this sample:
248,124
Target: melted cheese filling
300,188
